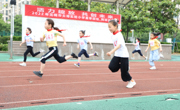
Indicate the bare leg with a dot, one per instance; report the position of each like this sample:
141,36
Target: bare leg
79,59
133,55
68,57
143,56
42,67
90,55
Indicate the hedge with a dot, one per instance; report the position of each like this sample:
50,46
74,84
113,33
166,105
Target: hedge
4,39
3,47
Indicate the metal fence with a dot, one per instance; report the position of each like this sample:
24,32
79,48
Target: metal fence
4,33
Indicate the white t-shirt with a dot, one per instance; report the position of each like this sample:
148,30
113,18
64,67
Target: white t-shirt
137,46
122,51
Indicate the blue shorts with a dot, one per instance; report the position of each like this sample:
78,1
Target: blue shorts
139,51
83,51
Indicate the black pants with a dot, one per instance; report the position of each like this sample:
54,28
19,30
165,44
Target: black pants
29,50
123,64
83,51
139,51
53,52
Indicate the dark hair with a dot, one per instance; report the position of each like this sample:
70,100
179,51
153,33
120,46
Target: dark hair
138,40
50,21
114,22
156,34
57,29
83,31
29,30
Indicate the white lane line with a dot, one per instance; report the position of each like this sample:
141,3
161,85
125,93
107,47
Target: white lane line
47,84
82,74
86,96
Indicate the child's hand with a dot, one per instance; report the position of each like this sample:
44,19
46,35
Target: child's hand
108,54
91,48
160,50
145,50
20,45
41,39
64,44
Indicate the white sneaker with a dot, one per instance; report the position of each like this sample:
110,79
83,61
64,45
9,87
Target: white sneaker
132,58
131,84
76,65
146,59
96,54
153,68
161,55
22,64
41,50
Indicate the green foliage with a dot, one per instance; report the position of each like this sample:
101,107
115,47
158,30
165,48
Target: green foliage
4,39
17,38
155,16
18,24
103,8
3,47
73,4
3,25
67,4
177,47
47,3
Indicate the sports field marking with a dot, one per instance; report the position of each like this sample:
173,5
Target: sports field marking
15,102
162,72
47,84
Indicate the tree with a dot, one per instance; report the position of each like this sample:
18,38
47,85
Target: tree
155,16
18,23
135,16
47,3
3,25
162,12
73,4
67,4
103,8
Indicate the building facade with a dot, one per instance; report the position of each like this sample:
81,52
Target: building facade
5,8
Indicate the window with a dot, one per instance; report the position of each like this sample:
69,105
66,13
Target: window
27,2
6,12
6,5
6,18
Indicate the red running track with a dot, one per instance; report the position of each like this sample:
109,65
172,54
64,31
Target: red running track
63,83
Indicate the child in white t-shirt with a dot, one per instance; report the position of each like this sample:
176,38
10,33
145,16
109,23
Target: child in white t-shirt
121,56
137,49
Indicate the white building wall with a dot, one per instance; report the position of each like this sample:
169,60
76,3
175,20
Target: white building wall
6,8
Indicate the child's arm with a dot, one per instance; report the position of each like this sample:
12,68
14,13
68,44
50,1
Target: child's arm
147,47
59,34
113,50
78,46
90,45
160,47
42,39
22,43
134,44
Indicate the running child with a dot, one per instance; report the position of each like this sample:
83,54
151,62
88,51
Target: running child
154,54
28,39
121,57
137,49
51,41
82,42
